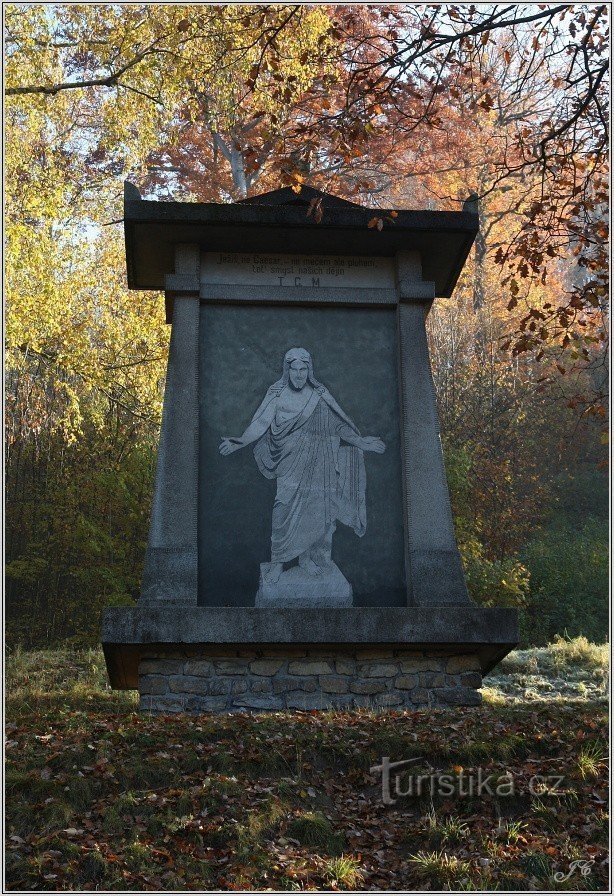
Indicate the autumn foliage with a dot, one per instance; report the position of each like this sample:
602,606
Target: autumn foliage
392,106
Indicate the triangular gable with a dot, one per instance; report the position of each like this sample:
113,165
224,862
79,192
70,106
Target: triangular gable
287,196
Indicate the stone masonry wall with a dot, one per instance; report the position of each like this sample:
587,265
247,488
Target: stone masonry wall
219,680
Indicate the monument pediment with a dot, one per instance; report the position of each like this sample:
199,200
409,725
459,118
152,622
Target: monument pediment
278,222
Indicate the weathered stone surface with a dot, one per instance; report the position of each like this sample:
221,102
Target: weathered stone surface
252,702
342,701
422,665
260,685
309,667
283,683
362,701
265,667
187,684
432,679
409,654
420,696
222,681
379,670
161,704
153,684
200,668
406,682
333,684
387,699
160,667
205,704
471,679
459,696
302,700
367,686
465,663
129,632
345,666
232,667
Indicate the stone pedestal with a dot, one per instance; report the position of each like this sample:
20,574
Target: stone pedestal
285,679
295,588
211,659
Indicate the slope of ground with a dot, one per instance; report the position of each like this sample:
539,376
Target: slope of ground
100,798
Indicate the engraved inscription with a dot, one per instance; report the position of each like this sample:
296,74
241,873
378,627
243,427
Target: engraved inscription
291,271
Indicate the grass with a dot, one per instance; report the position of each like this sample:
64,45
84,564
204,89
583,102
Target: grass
449,831
568,669
442,869
102,798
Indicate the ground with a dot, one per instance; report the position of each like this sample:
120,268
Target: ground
100,798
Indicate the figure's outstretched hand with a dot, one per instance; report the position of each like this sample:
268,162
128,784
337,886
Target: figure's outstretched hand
372,443
228,445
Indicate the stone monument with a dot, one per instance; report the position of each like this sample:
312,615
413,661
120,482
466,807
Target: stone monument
294,562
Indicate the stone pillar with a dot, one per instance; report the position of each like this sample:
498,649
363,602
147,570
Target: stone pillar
171,561
433,567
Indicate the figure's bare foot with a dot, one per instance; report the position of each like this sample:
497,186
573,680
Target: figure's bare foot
273,573
321,557
308,566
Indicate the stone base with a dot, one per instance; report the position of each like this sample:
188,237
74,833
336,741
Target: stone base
287,679
132,634
295,588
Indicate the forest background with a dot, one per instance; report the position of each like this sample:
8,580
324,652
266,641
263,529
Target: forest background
391,106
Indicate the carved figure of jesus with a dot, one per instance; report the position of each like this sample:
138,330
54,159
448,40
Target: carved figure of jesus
315,452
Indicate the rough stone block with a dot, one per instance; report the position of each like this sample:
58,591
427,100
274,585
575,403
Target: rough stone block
391,699
406,682
345,666
432,679
302,700
465,663
232,667
265,667
333,684
422,665
153,666
410,654
460,696
205,704
367,686
200,668
153,684
259,685
361,701
309,667
343,701
187,684
283,683
249,701
420,696
238,686
471,679
162,704
379,670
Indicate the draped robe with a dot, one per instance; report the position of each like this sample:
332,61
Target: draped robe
319,480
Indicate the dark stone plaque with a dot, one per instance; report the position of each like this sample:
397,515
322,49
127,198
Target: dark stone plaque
241,354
